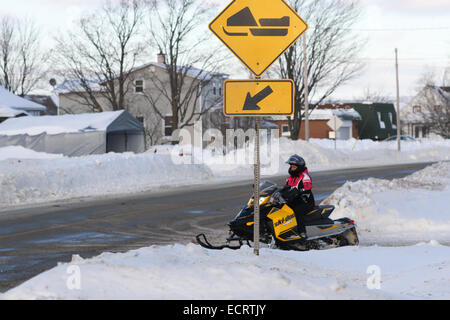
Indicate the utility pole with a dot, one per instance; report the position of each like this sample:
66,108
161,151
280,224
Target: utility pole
398,101
335,132
305,84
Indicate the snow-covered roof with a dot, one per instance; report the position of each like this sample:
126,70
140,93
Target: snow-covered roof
10,100
327,114
442,91
59,124
75,86
7,112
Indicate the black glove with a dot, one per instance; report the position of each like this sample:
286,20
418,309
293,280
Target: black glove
278,197
305,197
291,194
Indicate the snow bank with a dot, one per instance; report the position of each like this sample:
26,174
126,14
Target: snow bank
414,208
35,180
320,153
187,272
19,152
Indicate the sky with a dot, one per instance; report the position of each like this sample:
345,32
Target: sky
418,28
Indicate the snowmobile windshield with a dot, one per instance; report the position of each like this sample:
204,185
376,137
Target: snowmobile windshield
267,187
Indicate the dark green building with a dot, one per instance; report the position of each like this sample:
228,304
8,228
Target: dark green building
378,120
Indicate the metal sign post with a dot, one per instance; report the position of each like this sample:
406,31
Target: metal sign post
335,133
335,123
256,189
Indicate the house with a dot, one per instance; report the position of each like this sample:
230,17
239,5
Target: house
422,112
318,119
147,97
378,120
12,106
45,100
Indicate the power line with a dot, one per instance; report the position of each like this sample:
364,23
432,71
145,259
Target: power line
398,29
405,59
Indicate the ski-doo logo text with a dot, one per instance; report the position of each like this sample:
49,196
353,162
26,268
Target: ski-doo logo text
284,220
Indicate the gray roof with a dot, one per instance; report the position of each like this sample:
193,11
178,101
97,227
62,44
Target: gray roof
193,72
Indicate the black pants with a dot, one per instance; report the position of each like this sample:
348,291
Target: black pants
300,210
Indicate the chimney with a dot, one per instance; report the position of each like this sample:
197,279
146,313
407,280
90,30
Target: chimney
161,58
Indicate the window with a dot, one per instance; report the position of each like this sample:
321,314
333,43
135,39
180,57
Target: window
167,126
382,124
424,132
416,109
141,119
393,125
285,130
138,86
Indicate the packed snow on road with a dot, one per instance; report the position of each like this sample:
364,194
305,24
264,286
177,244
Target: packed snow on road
403,227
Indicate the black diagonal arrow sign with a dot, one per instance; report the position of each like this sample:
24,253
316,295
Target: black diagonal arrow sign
258,97
251,103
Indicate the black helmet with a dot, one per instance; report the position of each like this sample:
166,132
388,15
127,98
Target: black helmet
296,160
299,162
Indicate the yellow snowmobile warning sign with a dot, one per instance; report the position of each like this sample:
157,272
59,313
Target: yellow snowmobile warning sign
258,32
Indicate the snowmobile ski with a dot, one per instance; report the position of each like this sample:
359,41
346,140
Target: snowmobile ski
201,240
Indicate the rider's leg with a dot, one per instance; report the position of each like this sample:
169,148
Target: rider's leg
300,211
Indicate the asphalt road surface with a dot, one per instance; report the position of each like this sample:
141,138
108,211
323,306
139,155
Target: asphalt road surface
35,239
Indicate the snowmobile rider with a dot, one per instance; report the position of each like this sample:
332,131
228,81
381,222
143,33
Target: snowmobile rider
297,190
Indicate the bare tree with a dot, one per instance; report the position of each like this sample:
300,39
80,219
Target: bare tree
375,96
331,51
435,109
96,59
190,60
22,59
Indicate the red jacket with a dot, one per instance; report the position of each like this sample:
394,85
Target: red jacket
297,191
302,182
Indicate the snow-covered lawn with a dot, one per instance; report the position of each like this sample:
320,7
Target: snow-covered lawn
403,226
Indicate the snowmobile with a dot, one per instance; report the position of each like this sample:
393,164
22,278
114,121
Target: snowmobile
278,225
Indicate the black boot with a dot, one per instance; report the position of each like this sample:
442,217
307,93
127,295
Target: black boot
301,230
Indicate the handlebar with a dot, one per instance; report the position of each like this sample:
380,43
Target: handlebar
278,197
